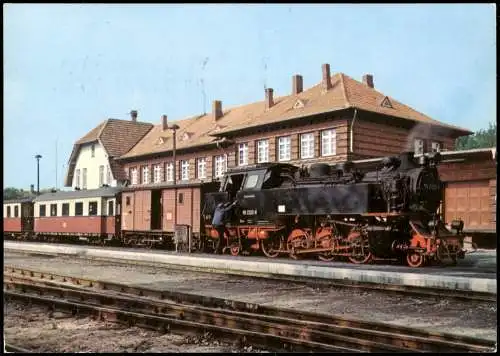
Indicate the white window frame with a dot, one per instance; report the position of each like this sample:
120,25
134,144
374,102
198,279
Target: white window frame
84,179
133,176
202,168
328,142
108,175
220,165
77,178
157,173
307,145
184,170
263,151
284,148
145,175
243,154
101,175
436,146
418,146
170,172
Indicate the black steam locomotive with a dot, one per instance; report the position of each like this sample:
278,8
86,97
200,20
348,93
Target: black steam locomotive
339,211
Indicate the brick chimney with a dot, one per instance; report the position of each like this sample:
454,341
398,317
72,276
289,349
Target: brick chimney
327,80
297,84
164,122
269,98
133,115
216,110
368,80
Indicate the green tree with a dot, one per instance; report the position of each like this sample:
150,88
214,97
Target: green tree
483,138
13,193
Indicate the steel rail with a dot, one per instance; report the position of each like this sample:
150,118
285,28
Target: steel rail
172,324
17,349
372,336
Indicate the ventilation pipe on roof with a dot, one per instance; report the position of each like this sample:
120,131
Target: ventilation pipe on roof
133,115
368,80
269,98
216,110
164,122
297,84
327,80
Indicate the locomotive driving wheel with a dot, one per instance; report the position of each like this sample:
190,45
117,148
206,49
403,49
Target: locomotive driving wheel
415,259
360,247
235,249
270,247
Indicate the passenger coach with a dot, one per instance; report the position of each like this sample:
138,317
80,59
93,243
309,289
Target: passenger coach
90,215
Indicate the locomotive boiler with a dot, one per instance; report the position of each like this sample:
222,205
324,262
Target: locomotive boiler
339,211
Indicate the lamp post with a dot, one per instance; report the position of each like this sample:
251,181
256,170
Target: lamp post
38,174
174,129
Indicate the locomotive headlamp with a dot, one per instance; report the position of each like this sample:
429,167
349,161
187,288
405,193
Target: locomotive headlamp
434,157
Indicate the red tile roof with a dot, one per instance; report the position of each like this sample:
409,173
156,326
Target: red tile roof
345,93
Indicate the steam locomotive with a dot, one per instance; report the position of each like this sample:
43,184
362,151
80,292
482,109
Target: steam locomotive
339,211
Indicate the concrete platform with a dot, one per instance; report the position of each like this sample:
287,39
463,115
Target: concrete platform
477,273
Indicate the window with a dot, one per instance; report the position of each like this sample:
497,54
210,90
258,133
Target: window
251,181
436,147
170,172
65,209
53,209
127,201
284,148
157,173
8,211
328,143
307,145
262,151
77,178
220,165
78,209
84,183
108,176
202,167
101,176
181,198
184,170
16,211
243,154
111,208
133,176
92,150
418,146
42,210
92,208
145,175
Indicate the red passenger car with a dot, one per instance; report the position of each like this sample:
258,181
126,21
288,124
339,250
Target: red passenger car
18,218
89,215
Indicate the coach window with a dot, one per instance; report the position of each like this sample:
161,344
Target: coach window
110,208
42,210
181,198
53,209
127,201
78,209
92,208
65,209
16,211
8,211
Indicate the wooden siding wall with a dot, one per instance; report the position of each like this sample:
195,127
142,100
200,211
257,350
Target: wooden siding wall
493,198
378,140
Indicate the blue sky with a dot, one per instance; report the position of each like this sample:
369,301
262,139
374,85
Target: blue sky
69,67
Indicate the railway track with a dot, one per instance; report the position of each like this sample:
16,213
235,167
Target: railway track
253,324
385,288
